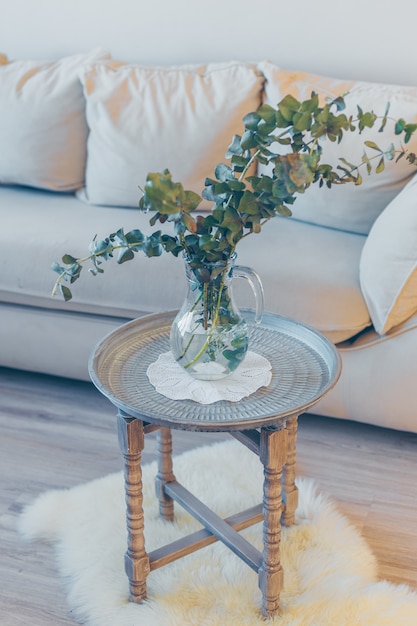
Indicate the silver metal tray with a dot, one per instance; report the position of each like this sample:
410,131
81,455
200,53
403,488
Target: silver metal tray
305,365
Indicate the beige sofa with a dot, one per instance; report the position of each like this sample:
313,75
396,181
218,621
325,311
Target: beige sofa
82,132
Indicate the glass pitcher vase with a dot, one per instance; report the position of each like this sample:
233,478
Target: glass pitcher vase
209,337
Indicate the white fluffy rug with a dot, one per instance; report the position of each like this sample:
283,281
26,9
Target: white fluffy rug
330,574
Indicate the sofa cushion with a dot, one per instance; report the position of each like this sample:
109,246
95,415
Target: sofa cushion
145,119
349,207
43,131
388,265
309,273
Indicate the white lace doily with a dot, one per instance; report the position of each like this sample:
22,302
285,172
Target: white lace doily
172,381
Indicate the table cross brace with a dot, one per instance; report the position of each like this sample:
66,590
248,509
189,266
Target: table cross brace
202,538
215,524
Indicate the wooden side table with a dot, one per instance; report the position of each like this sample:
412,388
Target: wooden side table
305,365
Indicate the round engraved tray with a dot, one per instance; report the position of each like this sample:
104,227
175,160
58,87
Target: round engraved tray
305,365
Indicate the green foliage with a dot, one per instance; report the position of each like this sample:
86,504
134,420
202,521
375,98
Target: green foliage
241,203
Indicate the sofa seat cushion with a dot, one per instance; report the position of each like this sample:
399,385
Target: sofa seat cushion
309,273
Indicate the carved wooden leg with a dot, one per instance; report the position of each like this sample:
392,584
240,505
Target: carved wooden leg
131,441
273,451
165,473
291,490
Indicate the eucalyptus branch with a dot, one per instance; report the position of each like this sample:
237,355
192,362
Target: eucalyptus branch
105,251
242,204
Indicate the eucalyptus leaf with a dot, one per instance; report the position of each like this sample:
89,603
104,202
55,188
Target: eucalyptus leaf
68,259
248,140
125,254
189,222
381,166
251,121
235,147
373,145
223,172
56,267
390,152
65,292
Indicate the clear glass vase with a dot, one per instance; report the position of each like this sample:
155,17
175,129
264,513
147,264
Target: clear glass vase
209,337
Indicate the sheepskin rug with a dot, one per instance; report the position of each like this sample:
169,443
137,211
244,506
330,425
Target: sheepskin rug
330,574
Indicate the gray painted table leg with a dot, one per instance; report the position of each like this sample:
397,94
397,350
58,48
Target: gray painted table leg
273,452
131,440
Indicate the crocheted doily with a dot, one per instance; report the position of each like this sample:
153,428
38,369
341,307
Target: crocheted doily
172,381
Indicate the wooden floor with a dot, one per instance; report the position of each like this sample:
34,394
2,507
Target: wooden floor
57,433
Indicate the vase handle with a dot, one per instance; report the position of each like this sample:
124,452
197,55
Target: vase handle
241,271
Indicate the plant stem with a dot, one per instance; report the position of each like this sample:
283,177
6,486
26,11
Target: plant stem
215,319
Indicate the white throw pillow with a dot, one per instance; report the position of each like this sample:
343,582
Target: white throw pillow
349,207
388,265
145,119
43,131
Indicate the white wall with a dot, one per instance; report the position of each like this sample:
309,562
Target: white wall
361,39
